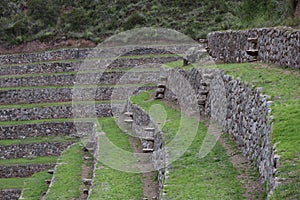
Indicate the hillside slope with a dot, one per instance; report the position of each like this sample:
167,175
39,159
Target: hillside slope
59,20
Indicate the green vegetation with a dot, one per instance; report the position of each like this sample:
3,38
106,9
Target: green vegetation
35,186
37,140
67,176
282,85
12,183
110,183
70,86
61,19
212,177
39,105
53,120
25,161
83,72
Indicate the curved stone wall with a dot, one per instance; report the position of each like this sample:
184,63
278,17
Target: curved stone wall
35,149
22,171
241,110
45,95
69,79
54,112
10,194
279,46
45,129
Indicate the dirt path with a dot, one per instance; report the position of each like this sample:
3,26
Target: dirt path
150,185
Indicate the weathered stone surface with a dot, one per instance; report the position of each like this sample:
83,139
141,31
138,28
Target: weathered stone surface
241,110
55,112
44,95
10,194
143,127
46,129
35,149
22,170
280,46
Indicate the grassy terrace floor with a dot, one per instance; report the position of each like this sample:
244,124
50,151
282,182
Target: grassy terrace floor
283,87
192,177
96,59
71,86
67,177
110,183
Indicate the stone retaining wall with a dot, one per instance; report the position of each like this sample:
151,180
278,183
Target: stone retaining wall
82,53
45,95
55,112
141,120
10,194
69,79
22,171
46,129
241,110
280,46
61,67
32,150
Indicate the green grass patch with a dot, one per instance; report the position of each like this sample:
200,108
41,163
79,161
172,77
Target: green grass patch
12,183
26,161
59,120
95,59
35,186
39,105
111,183
212,177
88,71
71,86
282,85
37,140
67,177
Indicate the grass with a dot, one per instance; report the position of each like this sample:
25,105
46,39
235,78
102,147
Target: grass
53,120
35,186
82,72
111,183
37,140
39,105
93,59
67,177
26,161
71,86
212,177
12,183
282,85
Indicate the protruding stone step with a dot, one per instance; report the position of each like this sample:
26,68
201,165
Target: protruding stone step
161,85
149,129
50,171
85,191
147,150
48,181
148,139
160,90
253,40
87,181
252,52
128,114
159,96
87,158
129,121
